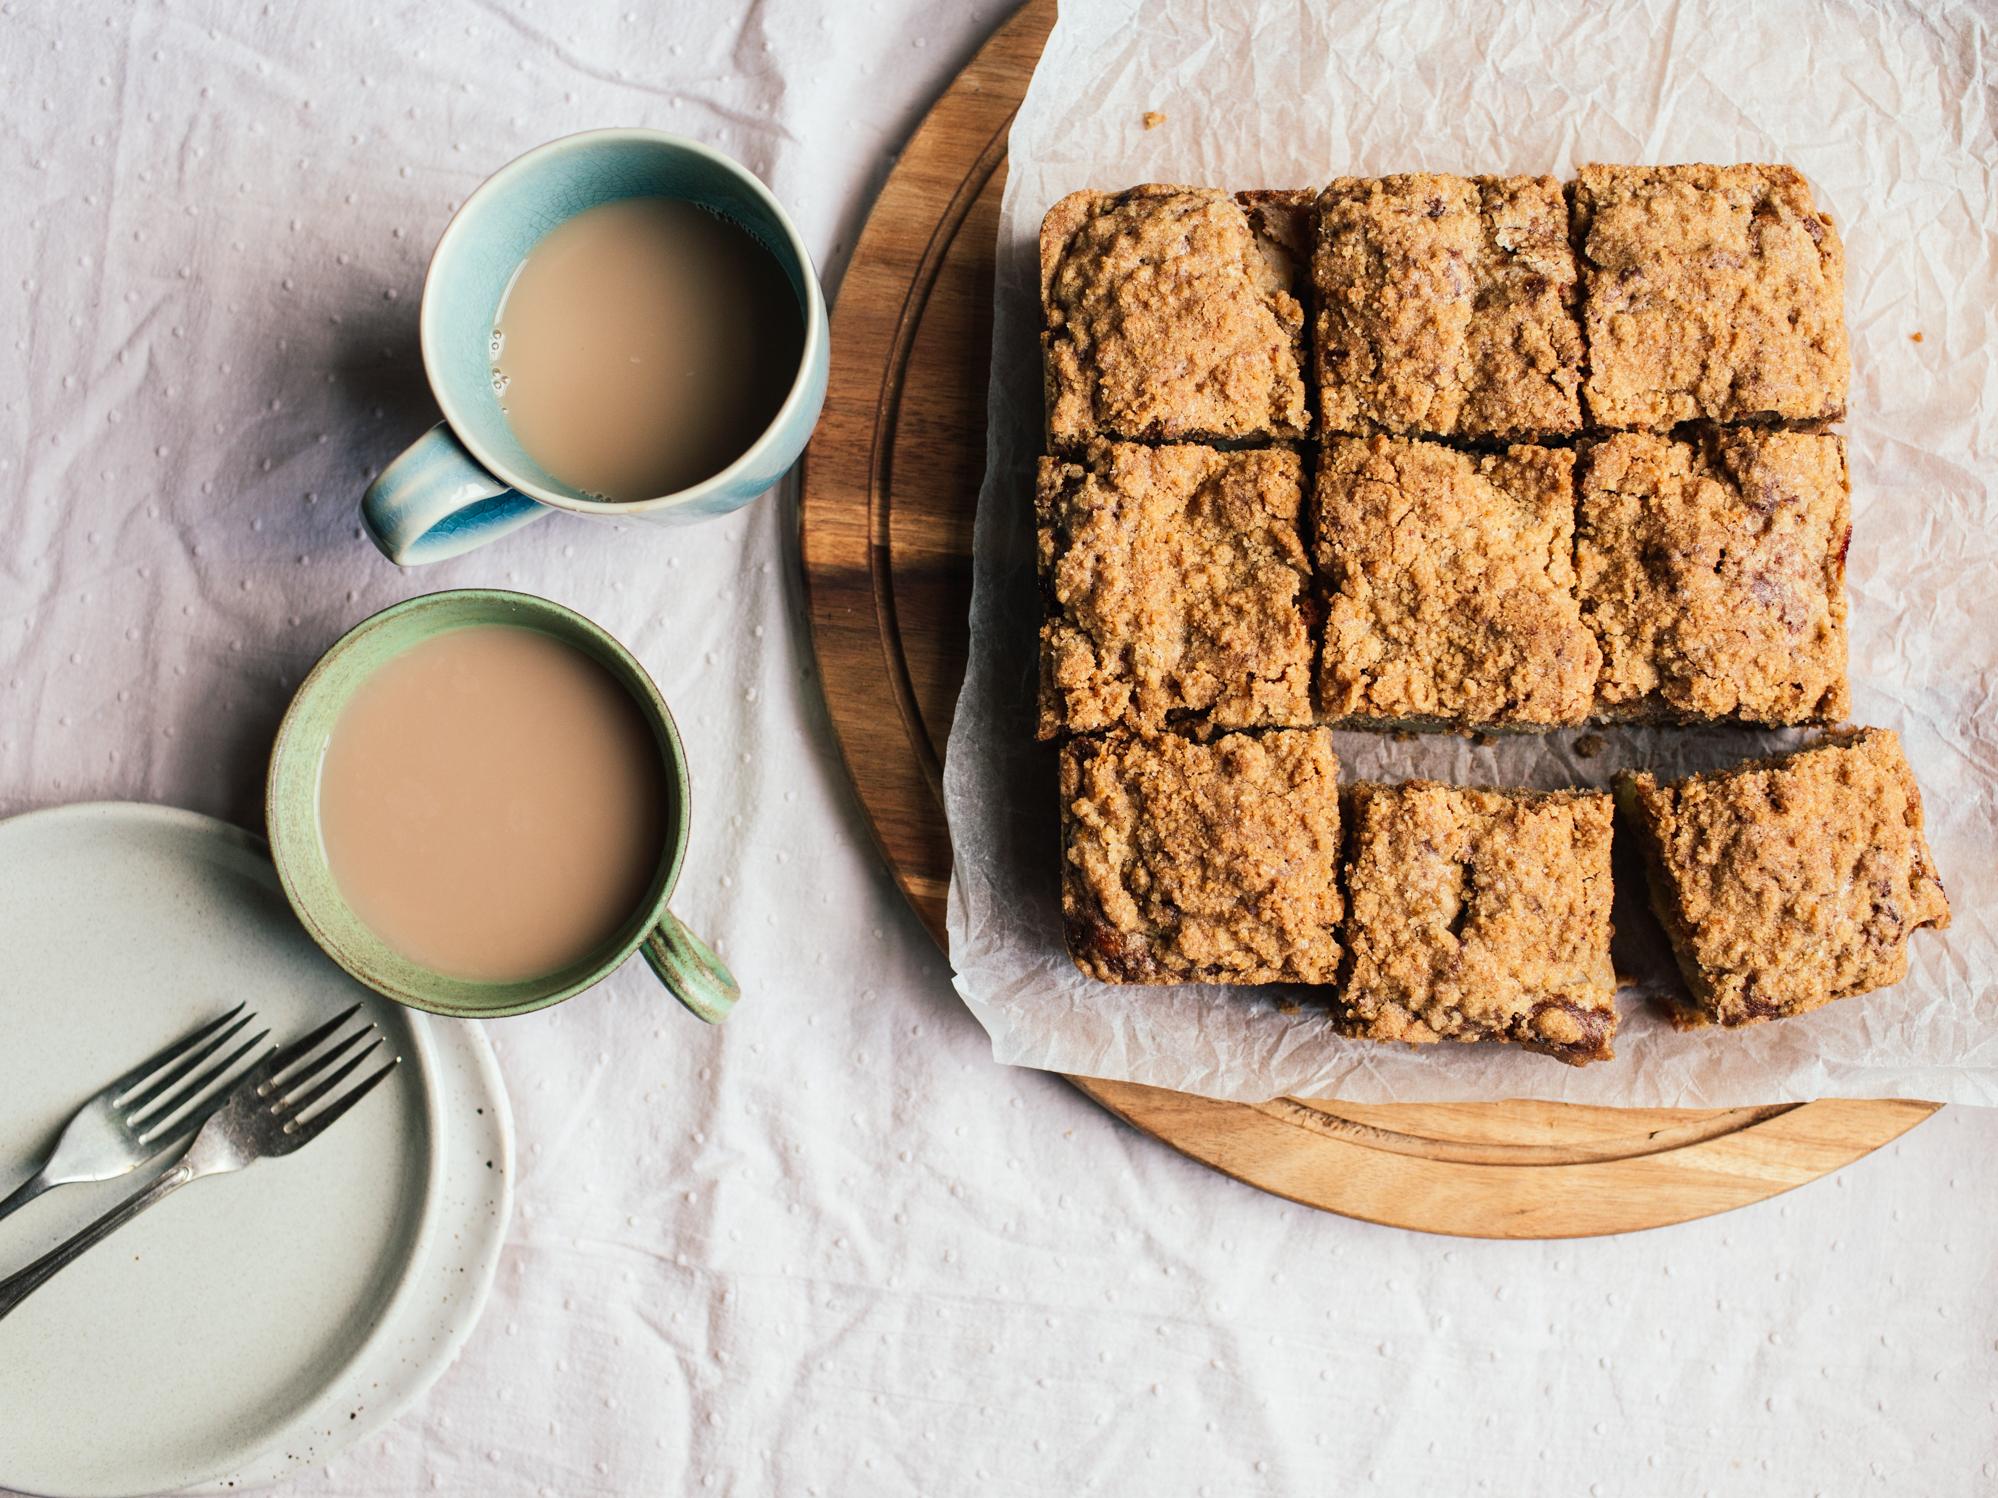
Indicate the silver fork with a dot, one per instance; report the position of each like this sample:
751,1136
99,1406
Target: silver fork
133,1119
263,1115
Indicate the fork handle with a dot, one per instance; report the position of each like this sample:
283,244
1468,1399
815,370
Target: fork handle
26,1192
19,1286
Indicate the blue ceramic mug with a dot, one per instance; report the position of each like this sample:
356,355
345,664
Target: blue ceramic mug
467,480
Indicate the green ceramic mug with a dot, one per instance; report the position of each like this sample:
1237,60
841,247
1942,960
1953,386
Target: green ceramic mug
683,962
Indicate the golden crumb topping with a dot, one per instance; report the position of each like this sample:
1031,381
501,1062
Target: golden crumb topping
1452,585
1480,915
1713,575
1176,583
1172,315
1791,882
1446,307
1713,292
1185,862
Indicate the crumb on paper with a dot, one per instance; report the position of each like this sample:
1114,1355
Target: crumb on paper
1682,1018
1915,337
1588,746
1154,118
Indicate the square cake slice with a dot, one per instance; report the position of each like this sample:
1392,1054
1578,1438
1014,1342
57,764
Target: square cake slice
1708,292
1176,586
1480,915
1185,862
1173,314
1713,574
1790,882
1450,586
1446,308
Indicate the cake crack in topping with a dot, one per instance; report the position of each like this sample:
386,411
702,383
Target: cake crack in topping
1172,314
1450,586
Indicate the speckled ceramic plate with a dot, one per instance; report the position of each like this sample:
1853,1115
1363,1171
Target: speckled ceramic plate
251,1323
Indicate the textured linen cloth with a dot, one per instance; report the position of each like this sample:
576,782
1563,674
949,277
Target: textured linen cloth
830,1247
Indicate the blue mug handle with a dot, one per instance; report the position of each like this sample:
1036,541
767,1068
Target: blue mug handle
436,501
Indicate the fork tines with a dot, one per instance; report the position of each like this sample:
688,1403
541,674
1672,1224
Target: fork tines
171,1053
280,1060
301,1083
152,1106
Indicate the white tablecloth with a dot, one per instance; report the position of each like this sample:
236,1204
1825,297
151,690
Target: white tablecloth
829,1248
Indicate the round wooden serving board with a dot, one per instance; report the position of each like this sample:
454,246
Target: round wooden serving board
887,555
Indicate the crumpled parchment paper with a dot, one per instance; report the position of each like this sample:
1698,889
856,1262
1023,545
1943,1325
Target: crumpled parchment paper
1888,111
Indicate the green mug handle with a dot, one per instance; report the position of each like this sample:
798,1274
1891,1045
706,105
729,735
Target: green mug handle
691,971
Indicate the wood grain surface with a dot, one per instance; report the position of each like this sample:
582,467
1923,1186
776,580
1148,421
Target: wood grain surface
890,486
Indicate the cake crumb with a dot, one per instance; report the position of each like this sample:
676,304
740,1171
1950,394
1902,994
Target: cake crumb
1488,347
1713,575
1915,337
1156,117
